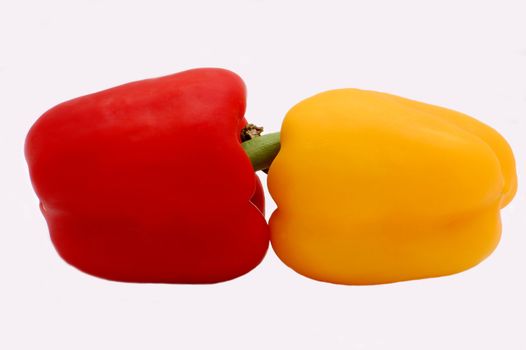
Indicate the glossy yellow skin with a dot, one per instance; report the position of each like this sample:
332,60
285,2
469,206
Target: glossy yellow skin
374,188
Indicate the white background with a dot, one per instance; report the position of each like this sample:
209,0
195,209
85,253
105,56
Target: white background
466,55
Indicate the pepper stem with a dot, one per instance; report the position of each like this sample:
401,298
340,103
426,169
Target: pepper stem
250,131
262,150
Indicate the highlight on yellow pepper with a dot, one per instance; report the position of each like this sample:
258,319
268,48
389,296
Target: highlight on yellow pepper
374,188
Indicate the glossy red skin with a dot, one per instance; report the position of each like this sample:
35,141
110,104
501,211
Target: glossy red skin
147,182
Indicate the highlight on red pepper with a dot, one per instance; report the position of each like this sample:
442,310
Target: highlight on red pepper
374,188
148,182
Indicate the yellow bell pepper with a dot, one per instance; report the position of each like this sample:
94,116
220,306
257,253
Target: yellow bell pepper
374,188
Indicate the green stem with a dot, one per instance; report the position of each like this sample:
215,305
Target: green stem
262,150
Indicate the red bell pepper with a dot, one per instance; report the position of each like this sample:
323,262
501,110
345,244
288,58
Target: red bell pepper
148,182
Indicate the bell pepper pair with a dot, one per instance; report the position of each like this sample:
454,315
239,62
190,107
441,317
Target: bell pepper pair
151,182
